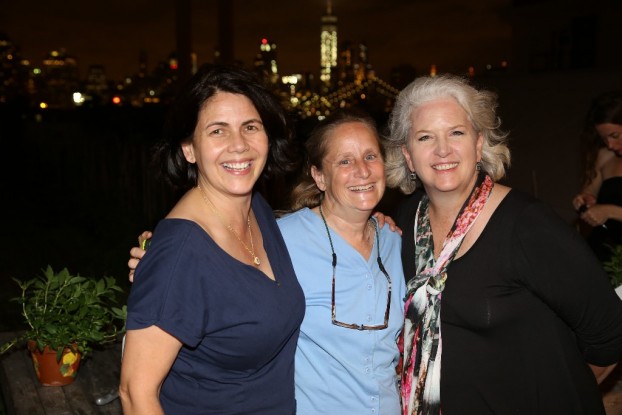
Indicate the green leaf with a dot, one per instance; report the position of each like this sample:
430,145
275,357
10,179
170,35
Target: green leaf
61,308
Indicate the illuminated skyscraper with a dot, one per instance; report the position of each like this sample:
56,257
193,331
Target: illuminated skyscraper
61,77
265,62
328,44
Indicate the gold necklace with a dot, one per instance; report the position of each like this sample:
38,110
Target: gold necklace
250,250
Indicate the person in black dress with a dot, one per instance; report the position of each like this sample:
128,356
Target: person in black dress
599,203
507,310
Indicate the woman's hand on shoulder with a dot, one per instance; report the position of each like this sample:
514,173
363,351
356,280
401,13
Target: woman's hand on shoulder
137,252
382,219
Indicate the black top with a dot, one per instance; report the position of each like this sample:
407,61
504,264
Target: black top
522,312
602,238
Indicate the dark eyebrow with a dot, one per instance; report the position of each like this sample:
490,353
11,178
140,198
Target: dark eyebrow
225,124
217,123
252,120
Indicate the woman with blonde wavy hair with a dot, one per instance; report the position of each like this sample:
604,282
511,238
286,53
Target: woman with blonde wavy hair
506,308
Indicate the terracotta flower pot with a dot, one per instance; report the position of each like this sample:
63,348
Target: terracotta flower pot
49,371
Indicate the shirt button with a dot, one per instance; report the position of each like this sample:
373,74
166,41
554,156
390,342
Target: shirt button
373,410
366,370
369,286
368,317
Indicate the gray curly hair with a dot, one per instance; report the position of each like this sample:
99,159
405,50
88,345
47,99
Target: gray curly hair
480,106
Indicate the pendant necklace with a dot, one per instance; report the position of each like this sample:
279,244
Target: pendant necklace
250,250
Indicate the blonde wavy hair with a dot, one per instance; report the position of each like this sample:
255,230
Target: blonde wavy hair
480,106
306,193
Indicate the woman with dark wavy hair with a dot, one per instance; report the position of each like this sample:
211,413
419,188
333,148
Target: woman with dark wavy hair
349,268
599,203
215,310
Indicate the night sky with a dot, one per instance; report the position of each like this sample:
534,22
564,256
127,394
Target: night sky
452,34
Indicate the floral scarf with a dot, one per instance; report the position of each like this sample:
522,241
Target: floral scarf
421,342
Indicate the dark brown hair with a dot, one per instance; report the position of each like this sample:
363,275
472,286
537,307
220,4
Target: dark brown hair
604,109
184,114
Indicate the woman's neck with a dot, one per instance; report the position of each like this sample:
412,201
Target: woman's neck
234,212
353,227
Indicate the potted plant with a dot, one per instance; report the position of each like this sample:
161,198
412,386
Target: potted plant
66,315
614,268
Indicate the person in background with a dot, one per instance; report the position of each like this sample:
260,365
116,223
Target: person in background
507,309
599,203
215,310
350,271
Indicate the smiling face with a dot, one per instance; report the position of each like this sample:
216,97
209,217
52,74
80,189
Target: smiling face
443,148
352,171
612,136
229,145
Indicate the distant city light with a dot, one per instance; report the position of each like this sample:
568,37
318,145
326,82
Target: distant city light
78,98
433,70
289,79
349,81
43,105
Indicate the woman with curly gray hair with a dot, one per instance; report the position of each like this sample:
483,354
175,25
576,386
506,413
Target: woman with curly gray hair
499,288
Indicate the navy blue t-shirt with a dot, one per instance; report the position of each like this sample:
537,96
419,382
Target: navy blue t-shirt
238,327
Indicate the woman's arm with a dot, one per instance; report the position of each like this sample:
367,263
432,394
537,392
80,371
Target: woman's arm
601,373
148,356
592,213
562,271
598,214
587,197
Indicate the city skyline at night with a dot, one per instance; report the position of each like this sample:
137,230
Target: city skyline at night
396,32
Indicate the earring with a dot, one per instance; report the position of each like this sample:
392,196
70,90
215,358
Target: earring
478,166
413,176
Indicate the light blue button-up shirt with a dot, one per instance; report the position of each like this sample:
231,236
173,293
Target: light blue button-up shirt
339,370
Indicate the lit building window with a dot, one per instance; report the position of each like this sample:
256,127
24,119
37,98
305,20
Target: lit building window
328,44
78,98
